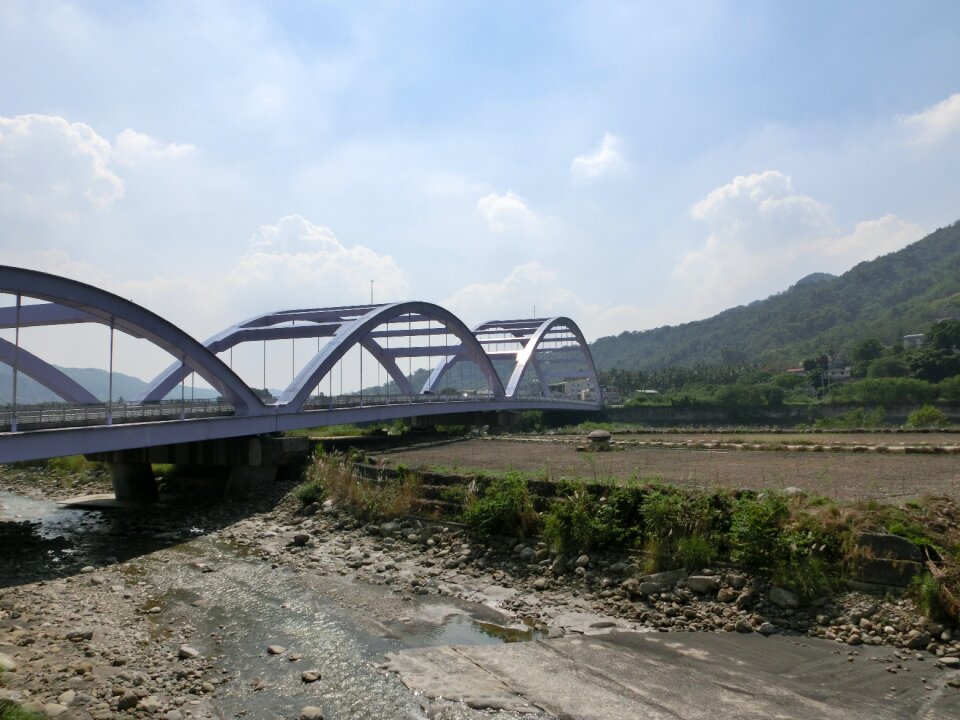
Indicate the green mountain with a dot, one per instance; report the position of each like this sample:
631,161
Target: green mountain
895,295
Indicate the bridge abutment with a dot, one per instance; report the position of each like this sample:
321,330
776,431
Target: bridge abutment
244,461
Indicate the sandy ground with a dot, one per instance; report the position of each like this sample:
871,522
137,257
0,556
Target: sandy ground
842,476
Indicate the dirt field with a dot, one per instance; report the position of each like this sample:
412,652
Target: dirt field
842,476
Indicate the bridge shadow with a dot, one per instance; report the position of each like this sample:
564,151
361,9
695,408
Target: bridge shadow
43,540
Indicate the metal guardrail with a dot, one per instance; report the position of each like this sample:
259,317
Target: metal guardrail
64,415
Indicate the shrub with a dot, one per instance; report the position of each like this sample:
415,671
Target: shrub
928,593
808,575
571,523
367,499
926,417
311,491
505,508
695,552
755,530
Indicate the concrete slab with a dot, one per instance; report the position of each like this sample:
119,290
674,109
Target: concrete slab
684,675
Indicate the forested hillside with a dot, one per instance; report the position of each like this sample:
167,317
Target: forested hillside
894,295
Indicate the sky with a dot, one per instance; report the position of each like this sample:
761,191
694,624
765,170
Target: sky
629,165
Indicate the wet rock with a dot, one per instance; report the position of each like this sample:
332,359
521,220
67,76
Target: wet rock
310,676
311,712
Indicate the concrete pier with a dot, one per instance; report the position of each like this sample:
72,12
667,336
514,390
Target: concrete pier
248,461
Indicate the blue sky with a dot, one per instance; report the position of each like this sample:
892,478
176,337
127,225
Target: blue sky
628,164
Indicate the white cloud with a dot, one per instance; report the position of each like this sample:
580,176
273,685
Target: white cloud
132,148
533,287
508,213
50,166
302,264
764,236
936,123
606,159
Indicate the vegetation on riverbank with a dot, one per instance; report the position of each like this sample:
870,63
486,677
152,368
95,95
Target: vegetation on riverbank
804,543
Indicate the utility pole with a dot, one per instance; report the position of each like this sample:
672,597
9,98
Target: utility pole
371,292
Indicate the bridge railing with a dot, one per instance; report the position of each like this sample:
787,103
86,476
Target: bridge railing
33,418
65,415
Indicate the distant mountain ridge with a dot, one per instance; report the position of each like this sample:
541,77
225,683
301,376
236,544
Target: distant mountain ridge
125,387
894,295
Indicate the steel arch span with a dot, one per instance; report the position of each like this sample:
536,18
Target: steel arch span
539,363
106,308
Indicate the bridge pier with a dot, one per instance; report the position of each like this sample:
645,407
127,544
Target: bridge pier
241,463
133,482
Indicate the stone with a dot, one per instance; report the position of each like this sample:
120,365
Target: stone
173,715
582,561
768,628
648,588
726,595
783,598
67,697
737,582
744,625
185,652
276,649
918,640
311,712
79,635
885,571
7,663
703,583
300,539
540,584
310,676
150,705
667,579
55,709
128,700
890,547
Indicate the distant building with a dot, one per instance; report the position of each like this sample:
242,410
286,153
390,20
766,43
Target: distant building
913,341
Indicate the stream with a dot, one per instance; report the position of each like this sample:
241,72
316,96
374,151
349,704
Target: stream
323,622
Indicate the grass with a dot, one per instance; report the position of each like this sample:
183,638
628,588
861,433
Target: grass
368,499
10,710
504,508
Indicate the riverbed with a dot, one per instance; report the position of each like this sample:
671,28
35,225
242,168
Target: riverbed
212,610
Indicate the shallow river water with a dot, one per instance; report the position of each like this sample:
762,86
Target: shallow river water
323,622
